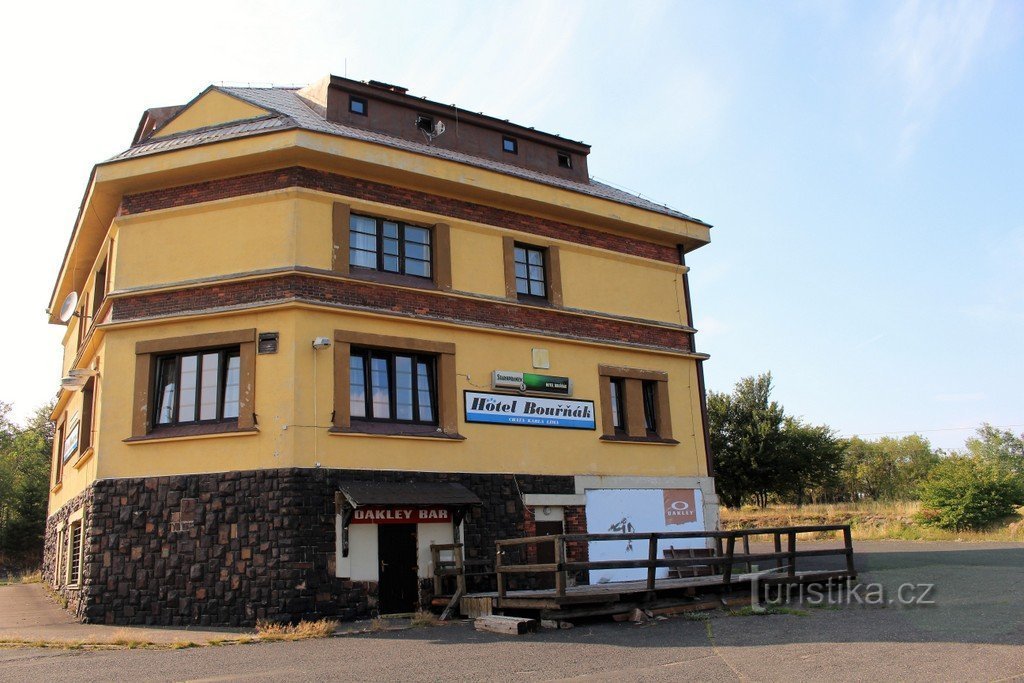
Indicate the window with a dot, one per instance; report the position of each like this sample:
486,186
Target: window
88,412
197,387
530,276
396,387
389,246
74,555
650,393
510,145
199,384
59,572
425,123
83,319
564,160
635,405
357,105
58,447
617,404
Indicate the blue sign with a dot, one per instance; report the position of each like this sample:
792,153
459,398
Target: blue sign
529,411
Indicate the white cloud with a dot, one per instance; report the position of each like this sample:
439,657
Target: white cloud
929,49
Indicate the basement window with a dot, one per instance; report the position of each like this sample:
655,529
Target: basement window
357,105
564,160
510,145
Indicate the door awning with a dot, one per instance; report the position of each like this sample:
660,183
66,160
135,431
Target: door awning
356,494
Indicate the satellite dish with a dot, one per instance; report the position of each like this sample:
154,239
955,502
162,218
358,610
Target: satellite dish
67,309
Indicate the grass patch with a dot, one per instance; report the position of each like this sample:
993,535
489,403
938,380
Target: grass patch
749,611
304,630
35,576
125,639
424,618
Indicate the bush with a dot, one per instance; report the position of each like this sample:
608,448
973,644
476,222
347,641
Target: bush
967,493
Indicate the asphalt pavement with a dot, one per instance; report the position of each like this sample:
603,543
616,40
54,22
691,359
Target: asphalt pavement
925,611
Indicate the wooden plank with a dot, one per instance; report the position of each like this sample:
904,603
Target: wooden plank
515,626
560,574
528,568
792,553
528,603
652,558
473,606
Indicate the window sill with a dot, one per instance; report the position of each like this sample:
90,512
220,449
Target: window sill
56,488
538,301
384,277
84,457
396,431
190,432
639,439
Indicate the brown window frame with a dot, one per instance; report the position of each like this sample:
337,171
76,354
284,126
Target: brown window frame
75,556
552,273
564,159
58,448
445,390
352,100
402,258
390,358
146,355
441,257
505,140
85,440
224,358
644,413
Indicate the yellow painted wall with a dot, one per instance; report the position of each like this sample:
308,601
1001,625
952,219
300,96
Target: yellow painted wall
294,228
80,470
219,238
211,109
285,391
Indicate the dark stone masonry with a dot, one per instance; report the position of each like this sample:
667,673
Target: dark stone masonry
232,548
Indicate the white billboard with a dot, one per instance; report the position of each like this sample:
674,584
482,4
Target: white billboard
640,511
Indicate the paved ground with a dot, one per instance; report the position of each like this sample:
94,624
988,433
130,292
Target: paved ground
973,631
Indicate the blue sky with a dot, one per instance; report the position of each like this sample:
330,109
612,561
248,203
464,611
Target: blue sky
863,163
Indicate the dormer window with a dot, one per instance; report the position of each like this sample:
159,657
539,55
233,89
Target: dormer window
510,145
357,105
425,123
564,160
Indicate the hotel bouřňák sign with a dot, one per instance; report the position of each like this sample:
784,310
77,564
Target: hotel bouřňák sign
400,515
529,411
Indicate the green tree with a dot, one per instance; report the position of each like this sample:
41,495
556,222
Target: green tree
747,440
812,457
886,469
24,483
1002,448
966,492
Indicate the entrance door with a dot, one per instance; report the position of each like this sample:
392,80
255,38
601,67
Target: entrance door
399,571
546,552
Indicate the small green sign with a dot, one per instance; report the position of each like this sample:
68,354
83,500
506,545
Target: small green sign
528,381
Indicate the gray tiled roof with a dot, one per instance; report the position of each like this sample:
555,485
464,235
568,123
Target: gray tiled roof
291,111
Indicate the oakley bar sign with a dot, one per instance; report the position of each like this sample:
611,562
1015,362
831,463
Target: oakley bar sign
528,411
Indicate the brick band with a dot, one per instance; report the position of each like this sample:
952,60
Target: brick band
401,302
311,179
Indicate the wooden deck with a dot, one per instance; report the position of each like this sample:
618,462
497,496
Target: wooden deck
717,574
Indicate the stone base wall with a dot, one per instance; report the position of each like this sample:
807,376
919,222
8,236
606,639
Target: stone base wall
232,548
54,575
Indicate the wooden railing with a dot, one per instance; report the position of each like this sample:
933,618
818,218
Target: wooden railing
725,557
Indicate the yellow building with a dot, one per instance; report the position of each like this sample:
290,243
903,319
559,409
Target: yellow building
311,332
